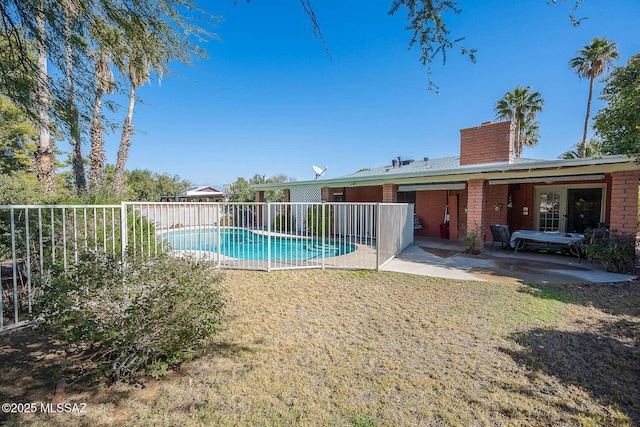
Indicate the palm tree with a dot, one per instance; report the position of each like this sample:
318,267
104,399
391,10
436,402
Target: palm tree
521,107
594,148
71,12
145,53
592,61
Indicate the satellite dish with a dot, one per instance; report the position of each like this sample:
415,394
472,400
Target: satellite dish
319,172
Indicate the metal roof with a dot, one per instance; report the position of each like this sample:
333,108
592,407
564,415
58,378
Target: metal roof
421,166
448,168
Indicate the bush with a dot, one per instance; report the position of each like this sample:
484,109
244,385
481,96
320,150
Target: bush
471,239
314,224
616,252
142,319
283,221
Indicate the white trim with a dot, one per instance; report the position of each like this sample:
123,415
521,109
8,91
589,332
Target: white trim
547,180
431,187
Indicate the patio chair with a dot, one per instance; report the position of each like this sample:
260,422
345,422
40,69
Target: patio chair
501,234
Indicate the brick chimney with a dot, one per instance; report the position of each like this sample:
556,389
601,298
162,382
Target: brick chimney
488,143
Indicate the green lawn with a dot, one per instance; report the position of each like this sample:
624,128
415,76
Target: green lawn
373,349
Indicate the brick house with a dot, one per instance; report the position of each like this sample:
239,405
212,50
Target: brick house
487,185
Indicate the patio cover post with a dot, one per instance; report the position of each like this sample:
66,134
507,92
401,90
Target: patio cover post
324,194
476,190
389,193
624,201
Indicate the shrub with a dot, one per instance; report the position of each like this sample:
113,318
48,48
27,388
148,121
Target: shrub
471,239
616,252
138,319
283,221
314,221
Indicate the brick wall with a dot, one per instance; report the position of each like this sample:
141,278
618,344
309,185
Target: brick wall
624,201
430,210
522,197
488,143
364,194
476,206
324,194
495,194
607,210
389,193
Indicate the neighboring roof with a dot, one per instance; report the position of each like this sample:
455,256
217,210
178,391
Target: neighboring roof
204,190
448,169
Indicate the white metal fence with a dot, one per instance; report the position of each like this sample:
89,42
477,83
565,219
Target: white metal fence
260,236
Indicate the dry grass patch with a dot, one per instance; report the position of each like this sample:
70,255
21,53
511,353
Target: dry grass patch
368,349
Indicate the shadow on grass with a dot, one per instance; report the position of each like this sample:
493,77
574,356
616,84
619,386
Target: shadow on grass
605,362
30,365
622,298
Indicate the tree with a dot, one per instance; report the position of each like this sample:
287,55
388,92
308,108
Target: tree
592,61
430,31
619,122
521,107
18,137
239,191
71,14
65,46
146,52
144,185
242,190
104,84
45,166
594,148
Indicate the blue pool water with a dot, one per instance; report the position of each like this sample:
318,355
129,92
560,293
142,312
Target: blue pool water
247,245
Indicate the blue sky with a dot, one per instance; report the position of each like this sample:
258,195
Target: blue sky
270,101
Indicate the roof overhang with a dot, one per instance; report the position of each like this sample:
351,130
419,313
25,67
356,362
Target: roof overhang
539,171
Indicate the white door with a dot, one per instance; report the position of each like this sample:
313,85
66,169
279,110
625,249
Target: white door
553,213
550,210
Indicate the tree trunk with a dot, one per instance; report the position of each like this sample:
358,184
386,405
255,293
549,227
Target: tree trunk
583,145
125,143
518,149
45,166
96,154
74,126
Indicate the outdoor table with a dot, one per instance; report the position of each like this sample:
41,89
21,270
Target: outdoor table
543,239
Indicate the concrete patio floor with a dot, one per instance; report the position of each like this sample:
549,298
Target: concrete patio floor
446,258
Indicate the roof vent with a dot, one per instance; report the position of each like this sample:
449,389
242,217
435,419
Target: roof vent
426,159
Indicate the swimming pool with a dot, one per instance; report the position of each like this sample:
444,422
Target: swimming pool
248,245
